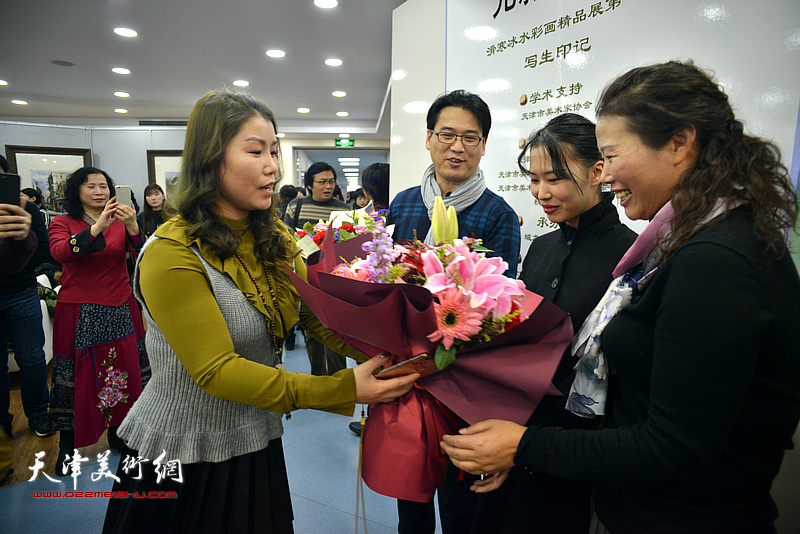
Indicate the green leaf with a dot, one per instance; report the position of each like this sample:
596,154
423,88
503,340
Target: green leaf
309,228
444,357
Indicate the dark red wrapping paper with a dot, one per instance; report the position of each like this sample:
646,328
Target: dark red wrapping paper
505,378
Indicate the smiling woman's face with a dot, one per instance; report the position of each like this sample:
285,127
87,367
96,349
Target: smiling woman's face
641,177
560,198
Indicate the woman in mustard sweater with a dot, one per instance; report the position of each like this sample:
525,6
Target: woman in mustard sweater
218,302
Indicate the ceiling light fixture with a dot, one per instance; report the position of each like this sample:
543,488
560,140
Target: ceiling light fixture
62,63
276,53
339,94
241,83
125,32
19,102
344,135
349,159
3,82
120,110
120,70
333,62
326,4
303,110
122,94
342,114
280,134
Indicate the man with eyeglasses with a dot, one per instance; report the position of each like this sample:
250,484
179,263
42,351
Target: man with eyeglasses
320,180
458,126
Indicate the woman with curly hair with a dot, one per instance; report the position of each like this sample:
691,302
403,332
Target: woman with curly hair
701,328
218,303
99,361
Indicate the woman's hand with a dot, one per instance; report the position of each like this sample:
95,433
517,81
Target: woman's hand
106,217
485,447
15,222
370,390
127,215
490,484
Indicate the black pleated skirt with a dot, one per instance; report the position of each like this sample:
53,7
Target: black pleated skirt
248,493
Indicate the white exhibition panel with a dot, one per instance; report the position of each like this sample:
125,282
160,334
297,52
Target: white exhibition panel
557,56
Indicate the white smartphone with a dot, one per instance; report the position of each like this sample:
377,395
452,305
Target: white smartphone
124,194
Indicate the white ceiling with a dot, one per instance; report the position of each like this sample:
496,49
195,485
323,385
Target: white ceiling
185,49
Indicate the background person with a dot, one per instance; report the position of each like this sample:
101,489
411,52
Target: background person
320,180
152,215
706,395
22,227
570,267
217,300
375,184
359,199
97,328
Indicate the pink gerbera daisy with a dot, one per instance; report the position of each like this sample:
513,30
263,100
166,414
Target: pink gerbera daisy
455,318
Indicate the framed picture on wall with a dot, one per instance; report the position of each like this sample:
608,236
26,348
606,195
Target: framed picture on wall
163,168
46,169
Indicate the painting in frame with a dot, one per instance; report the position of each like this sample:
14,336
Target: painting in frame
46,169
163,168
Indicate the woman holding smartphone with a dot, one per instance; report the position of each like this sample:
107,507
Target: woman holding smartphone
99,361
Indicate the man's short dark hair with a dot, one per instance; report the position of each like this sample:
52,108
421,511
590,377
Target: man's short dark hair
4,164
288,192
464,100
314,170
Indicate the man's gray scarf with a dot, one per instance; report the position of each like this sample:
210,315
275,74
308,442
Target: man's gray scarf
463,196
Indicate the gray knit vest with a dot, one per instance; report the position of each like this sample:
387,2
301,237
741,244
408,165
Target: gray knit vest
175,415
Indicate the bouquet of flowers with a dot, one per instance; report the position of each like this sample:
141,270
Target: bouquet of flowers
498,345
345,225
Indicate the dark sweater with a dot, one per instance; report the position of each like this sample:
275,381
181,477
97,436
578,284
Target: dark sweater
706,395
26,278
579,259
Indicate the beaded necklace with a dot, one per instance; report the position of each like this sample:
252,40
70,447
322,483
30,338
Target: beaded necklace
278,347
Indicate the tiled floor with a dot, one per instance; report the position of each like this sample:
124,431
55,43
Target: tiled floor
321,459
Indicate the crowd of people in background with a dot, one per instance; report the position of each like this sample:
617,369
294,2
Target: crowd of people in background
681,391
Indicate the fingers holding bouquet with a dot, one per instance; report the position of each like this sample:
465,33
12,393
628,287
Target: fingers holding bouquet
370,390
485,447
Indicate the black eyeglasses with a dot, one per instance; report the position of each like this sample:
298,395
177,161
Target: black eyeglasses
449,138
326,182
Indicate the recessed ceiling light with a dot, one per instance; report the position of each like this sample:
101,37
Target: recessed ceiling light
276,53
120,70
3,82
303,110
280,134
241,83
19,102
120,110
342,114
349,159
326,4
399,74
339,94
125,32
333,62
344,136
122,94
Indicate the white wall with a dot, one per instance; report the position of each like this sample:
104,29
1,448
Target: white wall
418,77
122,151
